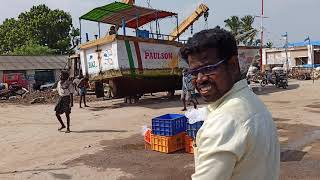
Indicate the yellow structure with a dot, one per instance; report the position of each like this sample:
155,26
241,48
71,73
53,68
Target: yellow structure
131,2
188,22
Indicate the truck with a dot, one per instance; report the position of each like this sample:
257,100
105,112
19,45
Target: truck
133,65
15,79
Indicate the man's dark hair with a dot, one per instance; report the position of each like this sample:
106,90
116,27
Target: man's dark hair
65,75
218,38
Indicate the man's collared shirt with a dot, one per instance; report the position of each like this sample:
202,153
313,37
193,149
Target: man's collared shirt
238,140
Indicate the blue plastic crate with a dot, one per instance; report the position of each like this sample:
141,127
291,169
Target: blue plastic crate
169,124
192,129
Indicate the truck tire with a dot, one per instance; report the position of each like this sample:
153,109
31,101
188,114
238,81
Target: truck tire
99,90
171,93
302,77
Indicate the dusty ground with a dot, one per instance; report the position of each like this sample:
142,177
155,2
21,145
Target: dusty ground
106,141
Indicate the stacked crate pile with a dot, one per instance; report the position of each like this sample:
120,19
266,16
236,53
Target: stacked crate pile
168,133
171,133
191,133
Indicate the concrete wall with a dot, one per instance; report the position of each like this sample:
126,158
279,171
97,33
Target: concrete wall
278,56
296,55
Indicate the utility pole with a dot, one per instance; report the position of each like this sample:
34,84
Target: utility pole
312,58
261,44
261,31
286,50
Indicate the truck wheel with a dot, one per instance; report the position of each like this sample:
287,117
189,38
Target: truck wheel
171,93
99,90
302,77
135,99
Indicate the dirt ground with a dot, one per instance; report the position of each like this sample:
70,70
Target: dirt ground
106,141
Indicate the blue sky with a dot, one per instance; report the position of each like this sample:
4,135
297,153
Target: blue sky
297,17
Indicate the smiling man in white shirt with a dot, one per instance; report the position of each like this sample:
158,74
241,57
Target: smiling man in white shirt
238,140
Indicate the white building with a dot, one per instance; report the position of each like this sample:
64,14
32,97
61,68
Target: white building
37,69
295,56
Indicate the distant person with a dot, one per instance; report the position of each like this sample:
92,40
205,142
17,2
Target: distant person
269,77
187,90
109,87
83,86
76,82
194,96
112,30
65,102
238,139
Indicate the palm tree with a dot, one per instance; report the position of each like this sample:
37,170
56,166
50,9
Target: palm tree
269,45
234,25
246,27
257,42
242,29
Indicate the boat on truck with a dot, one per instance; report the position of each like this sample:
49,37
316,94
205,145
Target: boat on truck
146,62
133,65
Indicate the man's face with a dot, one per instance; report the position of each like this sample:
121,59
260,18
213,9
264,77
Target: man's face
216,83
63,77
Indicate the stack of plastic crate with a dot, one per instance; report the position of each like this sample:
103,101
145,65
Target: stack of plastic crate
191,130
168,133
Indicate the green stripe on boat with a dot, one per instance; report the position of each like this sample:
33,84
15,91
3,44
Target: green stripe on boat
130,58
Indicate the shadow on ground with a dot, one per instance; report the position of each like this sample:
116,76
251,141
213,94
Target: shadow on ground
130,156
296,161
33,170
151,102
99,131
292,155
272,89
61,176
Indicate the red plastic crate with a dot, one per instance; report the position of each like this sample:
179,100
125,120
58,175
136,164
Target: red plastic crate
188,144
168,144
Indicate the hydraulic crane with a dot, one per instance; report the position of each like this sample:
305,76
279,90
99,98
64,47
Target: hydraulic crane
201,10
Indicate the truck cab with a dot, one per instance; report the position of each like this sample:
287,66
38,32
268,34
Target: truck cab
16,79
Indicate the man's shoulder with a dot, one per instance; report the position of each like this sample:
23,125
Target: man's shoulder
240,109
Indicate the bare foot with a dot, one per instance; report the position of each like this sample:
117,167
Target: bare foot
62,127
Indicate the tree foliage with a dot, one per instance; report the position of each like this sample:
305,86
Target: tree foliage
32,49
40,25
234,25
242,29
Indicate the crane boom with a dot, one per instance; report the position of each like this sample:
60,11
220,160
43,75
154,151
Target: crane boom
131,2
188,22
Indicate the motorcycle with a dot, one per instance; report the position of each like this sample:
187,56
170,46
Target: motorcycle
279,81
282,81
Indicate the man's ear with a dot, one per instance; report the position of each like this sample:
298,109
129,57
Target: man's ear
233,65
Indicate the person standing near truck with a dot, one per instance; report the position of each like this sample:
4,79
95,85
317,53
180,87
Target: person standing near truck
187,90
76,82
83,85
65,90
